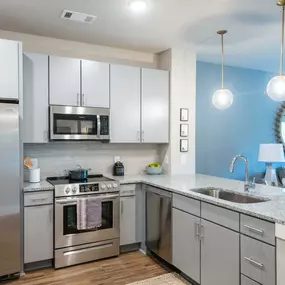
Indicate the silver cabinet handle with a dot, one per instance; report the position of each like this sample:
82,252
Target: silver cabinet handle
138,135
83,100
50,215
201,232
39,199
261,232
252,261
197,226
98,126
122,207
78,101
142,136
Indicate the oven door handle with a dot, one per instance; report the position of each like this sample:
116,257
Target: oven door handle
74,201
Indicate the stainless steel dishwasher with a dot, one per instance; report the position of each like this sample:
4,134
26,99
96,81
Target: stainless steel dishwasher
159,222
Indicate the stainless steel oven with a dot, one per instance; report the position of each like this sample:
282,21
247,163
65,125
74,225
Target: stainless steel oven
79,123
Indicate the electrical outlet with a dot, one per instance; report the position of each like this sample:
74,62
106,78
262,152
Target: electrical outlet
116,159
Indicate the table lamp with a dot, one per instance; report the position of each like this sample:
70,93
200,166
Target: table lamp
270,153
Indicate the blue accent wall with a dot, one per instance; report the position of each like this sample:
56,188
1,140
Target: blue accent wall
221,134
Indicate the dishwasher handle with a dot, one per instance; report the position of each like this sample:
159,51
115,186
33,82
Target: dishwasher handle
159,192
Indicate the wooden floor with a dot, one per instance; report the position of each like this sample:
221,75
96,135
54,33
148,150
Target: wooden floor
127,268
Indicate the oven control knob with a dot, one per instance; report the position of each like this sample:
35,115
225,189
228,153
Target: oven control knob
67,190
109,186
115,185
103,186
74,189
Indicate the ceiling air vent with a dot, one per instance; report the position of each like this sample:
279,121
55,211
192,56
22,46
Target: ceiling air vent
78,17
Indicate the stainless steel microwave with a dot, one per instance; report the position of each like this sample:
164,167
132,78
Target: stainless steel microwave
79,123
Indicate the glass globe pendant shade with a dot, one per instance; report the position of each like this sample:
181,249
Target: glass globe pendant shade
276,88
223,99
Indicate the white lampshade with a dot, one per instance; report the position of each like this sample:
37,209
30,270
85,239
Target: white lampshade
271,153
223,99
276,88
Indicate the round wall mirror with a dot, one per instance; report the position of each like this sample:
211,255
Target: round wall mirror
280,125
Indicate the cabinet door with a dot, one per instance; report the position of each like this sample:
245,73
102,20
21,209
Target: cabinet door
186,244
155,106
128,220
64,81
125,104
219,255
9,69
38,237
35,128
95,84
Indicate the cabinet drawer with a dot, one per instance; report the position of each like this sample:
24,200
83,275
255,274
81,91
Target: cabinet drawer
258,260
247,281
186,204
259,229
221,216
38,198
128,190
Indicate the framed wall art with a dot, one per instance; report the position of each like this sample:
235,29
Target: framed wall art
184,114
183,145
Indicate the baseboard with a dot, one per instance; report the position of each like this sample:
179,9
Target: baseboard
38,265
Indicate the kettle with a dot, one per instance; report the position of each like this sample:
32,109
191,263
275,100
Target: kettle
118,169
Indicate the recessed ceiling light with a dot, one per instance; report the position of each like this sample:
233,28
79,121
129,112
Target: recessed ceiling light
138,5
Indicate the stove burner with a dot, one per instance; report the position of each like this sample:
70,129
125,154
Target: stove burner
65,179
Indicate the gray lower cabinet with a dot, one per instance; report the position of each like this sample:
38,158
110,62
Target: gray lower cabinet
128,220
186,244
219,255
38,233
258,260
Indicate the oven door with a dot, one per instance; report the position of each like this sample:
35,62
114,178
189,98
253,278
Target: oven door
79,123
66,232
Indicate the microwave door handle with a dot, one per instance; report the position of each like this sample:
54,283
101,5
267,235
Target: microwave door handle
98,126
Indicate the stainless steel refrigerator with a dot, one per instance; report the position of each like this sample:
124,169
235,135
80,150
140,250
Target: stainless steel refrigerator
9,188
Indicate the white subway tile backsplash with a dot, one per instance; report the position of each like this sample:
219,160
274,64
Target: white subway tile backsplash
55,157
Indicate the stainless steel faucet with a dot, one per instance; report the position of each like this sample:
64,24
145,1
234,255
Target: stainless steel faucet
247,184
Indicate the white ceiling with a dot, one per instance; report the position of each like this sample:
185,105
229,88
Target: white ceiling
254,26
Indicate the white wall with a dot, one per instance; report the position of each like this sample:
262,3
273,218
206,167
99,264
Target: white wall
182,65
32,43
55,157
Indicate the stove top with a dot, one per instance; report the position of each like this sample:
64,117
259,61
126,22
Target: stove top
63,180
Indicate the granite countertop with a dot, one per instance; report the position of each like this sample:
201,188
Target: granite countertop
41,186
273,210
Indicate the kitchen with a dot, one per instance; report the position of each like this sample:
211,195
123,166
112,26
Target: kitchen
84,106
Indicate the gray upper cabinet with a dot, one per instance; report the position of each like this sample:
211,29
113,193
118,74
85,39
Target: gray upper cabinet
186,244
128,220
35,128
9,69
125,104
95,84
155,106
38,233
220,263
64,82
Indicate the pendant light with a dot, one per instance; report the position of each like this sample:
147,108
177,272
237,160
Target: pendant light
223,98
276,86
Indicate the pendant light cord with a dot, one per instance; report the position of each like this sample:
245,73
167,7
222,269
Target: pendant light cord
282,42
223,61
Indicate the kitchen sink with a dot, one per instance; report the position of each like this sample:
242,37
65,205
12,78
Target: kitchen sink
230,195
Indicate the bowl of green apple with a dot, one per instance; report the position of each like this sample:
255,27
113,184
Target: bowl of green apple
154,169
